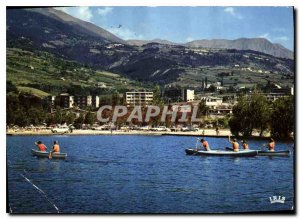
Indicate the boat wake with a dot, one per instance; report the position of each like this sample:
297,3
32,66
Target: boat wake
42,192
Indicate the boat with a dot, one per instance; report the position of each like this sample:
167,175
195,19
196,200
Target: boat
245,153
267,153
46,154
190,151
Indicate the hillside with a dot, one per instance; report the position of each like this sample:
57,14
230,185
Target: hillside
144,42
167,64
255,44
42,72
56,32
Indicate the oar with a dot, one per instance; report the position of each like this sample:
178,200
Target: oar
196,146
50,155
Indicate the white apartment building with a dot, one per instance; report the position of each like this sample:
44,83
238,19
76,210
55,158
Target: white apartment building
139,98
188,95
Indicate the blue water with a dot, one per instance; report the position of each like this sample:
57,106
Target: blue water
143,174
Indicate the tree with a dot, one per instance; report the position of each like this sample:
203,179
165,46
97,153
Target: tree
240,121
10,87
57,116
212,88
90,118
251,112
79,121
283,117
156,96
70,118
260,111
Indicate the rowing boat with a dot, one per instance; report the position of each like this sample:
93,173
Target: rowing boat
267,153
248,153
46,154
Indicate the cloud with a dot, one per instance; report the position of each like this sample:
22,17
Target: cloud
82,13
189,39
282,38
104,11
265,35
125,33
232,12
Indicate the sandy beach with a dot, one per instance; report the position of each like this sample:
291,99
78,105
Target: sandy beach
207,133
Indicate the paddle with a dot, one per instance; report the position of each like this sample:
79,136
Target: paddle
196,146
50,155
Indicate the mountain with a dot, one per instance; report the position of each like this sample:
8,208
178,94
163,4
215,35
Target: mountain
144,42
53,33
183,66
74,25
255,44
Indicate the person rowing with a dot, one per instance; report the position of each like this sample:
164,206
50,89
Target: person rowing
41,146
245,145
235,144
55,149
205,144
271,145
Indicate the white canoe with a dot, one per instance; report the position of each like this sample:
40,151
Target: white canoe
46,154
248,153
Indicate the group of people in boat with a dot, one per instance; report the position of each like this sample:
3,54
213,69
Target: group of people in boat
236,146
43,147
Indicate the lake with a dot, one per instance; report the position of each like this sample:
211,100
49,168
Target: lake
144,174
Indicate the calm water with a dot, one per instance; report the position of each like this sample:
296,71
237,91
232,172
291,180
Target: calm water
143,174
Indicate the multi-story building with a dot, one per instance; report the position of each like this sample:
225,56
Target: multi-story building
139,98
95,101
51,100
172,94
67,101
188,95
177,94
274,96
82,101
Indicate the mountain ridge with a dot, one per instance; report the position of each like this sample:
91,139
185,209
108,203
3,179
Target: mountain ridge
256,44
80,25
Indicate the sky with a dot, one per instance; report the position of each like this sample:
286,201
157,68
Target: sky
184,24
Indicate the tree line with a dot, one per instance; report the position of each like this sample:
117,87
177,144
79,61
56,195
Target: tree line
256,112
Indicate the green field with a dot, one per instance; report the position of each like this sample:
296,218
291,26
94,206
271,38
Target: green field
33,91
42,73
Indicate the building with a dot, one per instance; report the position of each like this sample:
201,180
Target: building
95,101
177,94
172,94
212,102
274,96
188,95
139,98
82,101
221,110
279,92
51,100
67,101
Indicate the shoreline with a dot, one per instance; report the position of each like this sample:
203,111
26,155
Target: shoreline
208,133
